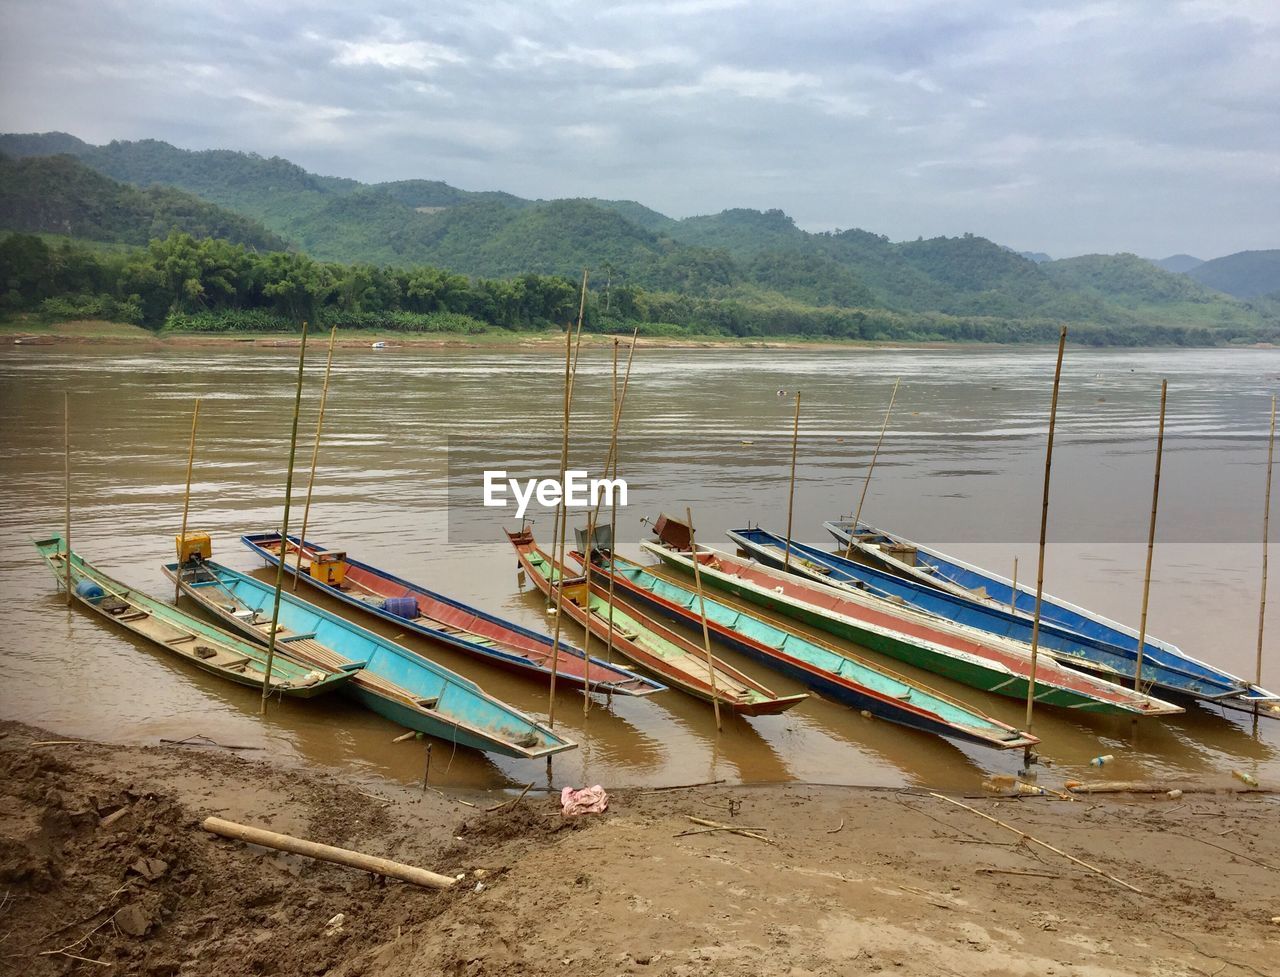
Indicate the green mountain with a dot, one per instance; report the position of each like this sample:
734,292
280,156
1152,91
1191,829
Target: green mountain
1150,293
60,195
1177,263
1245,274
758,259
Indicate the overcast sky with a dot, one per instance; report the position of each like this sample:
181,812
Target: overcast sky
1064,127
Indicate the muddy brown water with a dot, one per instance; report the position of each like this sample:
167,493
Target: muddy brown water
408,432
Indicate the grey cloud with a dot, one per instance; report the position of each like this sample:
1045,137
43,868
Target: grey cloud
1065,127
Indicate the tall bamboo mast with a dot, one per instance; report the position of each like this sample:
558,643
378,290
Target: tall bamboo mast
702,613
853,530
1151,542
562,512
315,455
791,492
66,516
1044,526
186,499
1266,525
610,471
284,527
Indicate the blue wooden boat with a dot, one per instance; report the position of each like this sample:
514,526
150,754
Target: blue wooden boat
1068,647
190,639
447,621
959,653
909,559
395,682
835,673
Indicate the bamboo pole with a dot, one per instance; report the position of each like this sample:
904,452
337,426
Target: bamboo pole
1151,543
791,495
315,455
327,853
1026,837
591,535
562,511
186,501
1266,525
612,472
284,528
66,451
586,641
1044,527
866,482
620,398
702,612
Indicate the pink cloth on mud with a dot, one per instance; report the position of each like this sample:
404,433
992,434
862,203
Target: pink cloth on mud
589,800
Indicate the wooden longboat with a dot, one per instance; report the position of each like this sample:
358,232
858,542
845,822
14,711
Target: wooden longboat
395,682
680,663
907,558
833,672
1069,647
208,648
912,637
450,622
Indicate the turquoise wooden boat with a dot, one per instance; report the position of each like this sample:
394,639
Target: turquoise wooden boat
395,682
1069,647
833,672
932,568
208,648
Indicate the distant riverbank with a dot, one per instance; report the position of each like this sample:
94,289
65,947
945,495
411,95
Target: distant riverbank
27,332
95,330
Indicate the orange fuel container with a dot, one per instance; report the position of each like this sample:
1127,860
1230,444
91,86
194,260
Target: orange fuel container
191,545
330,567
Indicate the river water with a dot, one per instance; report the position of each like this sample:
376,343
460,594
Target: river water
409,431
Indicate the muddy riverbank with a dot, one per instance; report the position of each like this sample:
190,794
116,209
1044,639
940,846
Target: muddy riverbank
851,881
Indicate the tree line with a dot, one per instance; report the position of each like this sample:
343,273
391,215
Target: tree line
181,283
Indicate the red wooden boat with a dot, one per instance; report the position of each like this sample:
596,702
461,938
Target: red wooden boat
447,621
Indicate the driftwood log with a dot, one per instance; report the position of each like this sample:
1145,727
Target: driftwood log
327,853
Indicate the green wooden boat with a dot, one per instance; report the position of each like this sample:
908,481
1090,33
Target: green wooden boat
207,647
913,637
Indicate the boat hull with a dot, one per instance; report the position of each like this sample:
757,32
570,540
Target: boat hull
961,579
494,640
209,649
1068,647
632,632
395,682
899,702
967,662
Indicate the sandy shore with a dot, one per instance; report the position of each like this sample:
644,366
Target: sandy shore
852,880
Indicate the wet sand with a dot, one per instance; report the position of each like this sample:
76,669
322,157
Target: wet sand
853,880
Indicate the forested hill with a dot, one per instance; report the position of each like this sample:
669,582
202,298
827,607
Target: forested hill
58,195
757,259
1245,274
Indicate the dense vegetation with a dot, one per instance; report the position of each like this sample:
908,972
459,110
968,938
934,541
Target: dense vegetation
372,248
59,195
184,284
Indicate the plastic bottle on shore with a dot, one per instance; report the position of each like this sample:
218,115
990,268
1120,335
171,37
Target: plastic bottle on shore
1101,761
1244,778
